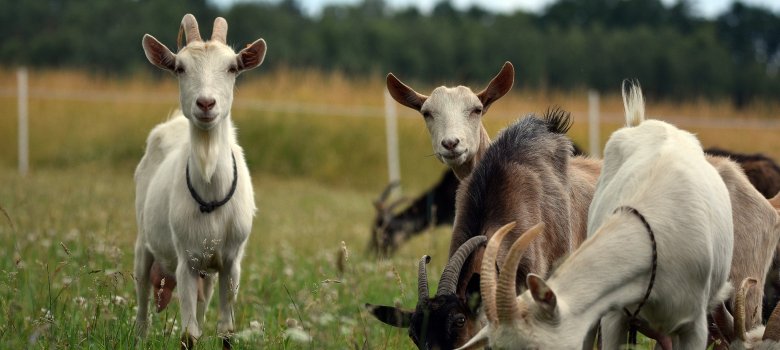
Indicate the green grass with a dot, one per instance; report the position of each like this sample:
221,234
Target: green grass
66,281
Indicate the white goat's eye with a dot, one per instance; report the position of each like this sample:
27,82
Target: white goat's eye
179,70
232,69
476,110
427,115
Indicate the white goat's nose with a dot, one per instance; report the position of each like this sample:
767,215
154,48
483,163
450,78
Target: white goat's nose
206,103
450,144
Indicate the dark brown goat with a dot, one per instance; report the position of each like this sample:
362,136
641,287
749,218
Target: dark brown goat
433,208
527,175
761,170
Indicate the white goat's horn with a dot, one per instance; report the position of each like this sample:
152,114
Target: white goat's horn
772,330
506,305
487,282
188,29
220,30
739,307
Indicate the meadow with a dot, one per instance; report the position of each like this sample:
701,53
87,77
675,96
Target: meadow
315,144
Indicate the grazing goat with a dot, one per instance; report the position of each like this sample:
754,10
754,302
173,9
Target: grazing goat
734,331
433,208
656,189
523,176
434,320
194,197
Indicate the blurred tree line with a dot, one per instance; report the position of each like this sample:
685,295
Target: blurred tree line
571,44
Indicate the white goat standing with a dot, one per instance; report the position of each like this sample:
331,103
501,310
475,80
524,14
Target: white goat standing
194,197
661,172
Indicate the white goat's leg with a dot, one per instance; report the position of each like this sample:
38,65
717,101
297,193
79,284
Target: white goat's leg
188,295
693,335
205,292
614,327
590,338
142,265
228,290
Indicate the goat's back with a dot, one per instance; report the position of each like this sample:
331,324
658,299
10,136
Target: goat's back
661,171
756,233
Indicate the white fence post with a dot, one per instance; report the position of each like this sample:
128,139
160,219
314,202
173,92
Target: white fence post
393,163
593,124
21,77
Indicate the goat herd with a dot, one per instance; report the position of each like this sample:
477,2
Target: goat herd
549,250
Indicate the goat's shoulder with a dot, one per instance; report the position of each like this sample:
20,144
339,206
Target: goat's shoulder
162,141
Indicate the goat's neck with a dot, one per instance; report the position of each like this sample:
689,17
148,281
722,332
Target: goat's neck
590,283
210,150
463,170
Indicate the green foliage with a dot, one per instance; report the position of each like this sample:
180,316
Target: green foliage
570,45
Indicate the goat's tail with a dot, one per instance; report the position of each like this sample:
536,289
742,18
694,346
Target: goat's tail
633,102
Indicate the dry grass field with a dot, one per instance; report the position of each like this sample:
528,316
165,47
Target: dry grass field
316,146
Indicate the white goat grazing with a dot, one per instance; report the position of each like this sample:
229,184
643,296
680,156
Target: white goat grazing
194,196
652,173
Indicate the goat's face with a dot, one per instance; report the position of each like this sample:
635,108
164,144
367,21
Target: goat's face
453,115
448,319
454,118
441,322
206,70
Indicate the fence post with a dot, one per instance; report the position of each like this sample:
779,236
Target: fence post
593,124
21,77
391,128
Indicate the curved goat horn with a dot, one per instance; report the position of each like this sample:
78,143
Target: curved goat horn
449,278
188,29
422,280
506,292
379,203
772,330
739,307
487,282
220,30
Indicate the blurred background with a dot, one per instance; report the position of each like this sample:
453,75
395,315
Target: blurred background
716,60
311,121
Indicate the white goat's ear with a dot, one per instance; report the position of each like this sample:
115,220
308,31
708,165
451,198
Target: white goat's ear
480,340
158,54
498,87
542,294
251,56
404,94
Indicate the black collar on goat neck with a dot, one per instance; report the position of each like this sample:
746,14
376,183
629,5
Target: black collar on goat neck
633,319
208,207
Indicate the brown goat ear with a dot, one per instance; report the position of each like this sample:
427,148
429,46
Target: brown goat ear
390,315
404,94
252,55
498,87
542,294
158,54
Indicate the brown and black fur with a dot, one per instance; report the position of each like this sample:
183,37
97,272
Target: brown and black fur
435,207
528,175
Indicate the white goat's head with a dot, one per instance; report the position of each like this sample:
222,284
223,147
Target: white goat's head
532,320
453,115
206,70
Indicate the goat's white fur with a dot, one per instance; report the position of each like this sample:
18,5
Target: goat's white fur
661,171
172,231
